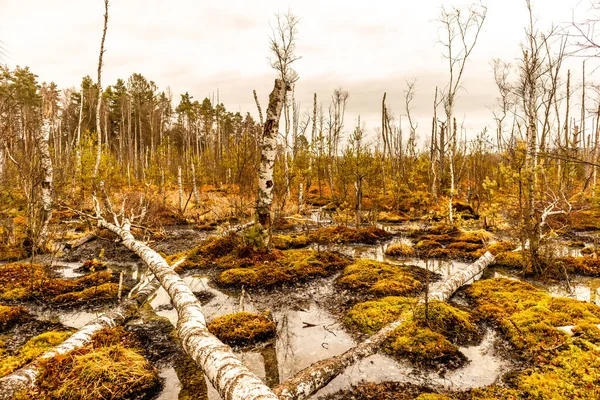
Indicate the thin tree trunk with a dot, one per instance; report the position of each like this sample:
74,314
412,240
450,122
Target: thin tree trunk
77,166
99,105
47,184
311,379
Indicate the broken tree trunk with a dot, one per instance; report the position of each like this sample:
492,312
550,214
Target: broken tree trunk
24,378
47,185
231,379
311,379
268,151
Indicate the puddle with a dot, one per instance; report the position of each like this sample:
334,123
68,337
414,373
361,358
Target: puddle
581,288
220,304
483,368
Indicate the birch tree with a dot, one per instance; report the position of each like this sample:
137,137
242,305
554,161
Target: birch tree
99,104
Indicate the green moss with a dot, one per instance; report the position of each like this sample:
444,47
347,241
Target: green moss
113,372
454,324
285,242
392,217
443,229
343,234
437,238
293,266
422,346
572,374
587,265
31,350
493,392
371,316
466,247
427,245
511,259
243,328
587,331
381,279
10,316
102,292
93,265
20,282
496,248
433,396
400,250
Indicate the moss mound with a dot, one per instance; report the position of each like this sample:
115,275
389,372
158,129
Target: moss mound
110,367
427,244
229,251
371,316
113,372
21,282
400,250
243,328
105,291
423,347
294,266
10,316
381,279
384,391
565,367
342,234
511,259
285,242
392,217
587,265
30,350
454,324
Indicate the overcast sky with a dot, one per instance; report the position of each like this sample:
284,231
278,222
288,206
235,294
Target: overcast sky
366,47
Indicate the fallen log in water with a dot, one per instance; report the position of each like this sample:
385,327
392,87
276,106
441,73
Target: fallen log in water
25,377
311,379
224,370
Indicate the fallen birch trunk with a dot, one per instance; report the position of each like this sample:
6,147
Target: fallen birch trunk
308,381
231,379
24,378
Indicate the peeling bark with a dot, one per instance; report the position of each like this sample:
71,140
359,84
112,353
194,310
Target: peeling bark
25,378
268,151
47,184
311,379
99,105
223,369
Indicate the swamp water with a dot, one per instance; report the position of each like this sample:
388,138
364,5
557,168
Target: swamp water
307,332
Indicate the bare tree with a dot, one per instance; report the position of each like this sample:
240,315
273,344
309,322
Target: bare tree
460,30
99,105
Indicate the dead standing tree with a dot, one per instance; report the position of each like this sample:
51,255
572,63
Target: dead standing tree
42,137
460,31
283,48
99,105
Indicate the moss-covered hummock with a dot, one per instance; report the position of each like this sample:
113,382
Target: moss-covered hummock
10,316
31,350
563,366
112,366
392,217
426,338
427,245
21,282
381,279
293,266
285,242
342,234
587,265
400,250
229,251
370,316
243,328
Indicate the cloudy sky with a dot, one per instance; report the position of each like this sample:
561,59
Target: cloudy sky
366,47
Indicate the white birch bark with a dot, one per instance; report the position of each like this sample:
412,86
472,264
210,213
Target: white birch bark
99,105
231,379
268,151
47,184
77,165
311,379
